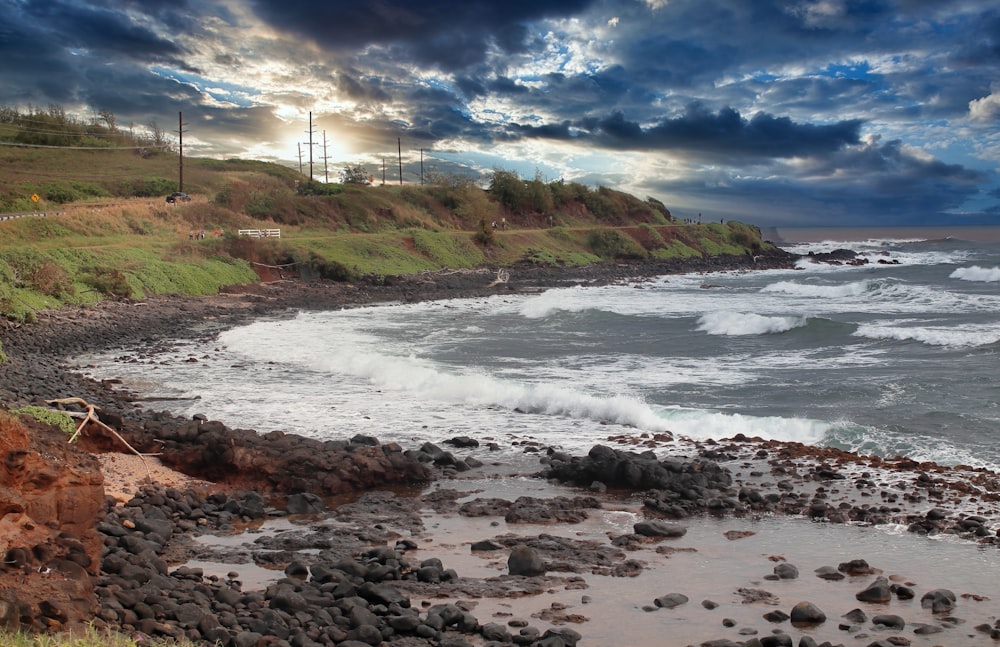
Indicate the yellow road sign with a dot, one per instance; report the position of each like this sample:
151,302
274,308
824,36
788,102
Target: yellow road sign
34,197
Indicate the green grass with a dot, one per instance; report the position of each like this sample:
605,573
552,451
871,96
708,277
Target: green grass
50,417
90,637
675,250
102,244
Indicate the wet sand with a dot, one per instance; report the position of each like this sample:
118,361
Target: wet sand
707,564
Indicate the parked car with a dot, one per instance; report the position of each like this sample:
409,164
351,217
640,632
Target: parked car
178,196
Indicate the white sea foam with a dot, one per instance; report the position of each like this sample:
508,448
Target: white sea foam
699,424
968,336
555,300
893,251
976,273
746,323
819,291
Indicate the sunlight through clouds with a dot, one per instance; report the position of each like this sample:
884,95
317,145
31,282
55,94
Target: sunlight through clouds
739,105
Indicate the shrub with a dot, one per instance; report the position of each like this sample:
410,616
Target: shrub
48,416
29,269
484,235
315,266
111,282
58,193
611,243
147,187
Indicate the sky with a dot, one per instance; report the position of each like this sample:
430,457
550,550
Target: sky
778,113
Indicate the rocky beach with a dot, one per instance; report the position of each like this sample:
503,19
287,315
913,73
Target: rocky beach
275,539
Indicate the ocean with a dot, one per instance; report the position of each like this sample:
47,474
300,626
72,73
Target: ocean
894,357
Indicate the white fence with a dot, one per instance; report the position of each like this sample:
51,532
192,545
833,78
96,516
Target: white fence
26,214
261,233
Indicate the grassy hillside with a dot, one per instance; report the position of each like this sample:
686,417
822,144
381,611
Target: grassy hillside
109,232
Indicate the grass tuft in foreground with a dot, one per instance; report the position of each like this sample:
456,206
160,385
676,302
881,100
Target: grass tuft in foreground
91,637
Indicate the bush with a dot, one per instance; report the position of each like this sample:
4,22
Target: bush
58,193
111,282
147,187
315,266
48,416
484,235
611,243
29,269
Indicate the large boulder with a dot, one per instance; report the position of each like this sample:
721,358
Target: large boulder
683,486
525,560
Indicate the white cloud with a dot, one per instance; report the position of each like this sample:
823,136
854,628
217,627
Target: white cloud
986,109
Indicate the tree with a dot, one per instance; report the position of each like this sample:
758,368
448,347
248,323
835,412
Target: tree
355,175
108,118
508,189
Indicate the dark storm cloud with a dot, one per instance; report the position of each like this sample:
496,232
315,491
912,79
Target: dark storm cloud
78,53
858,185
363,90
795,91
96,28
982,44
703,133
446,33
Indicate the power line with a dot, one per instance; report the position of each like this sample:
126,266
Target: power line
87,148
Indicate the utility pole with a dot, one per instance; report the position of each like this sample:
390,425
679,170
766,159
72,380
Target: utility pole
421,167
326,169
180,148
399,152
383,171
300,157
310,131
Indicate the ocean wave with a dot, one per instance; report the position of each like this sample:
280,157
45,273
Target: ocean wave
699,424
932,335
744,323
794,288
872,441
976,273
905,251
556,300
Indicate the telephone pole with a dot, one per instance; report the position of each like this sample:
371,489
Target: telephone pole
310,131
326,169
180,148
399,153
421,166
300,157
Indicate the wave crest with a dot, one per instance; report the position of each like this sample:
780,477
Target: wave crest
741,323
932,336
794,288
976,273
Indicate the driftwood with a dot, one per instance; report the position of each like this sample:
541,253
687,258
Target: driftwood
91,416
502,277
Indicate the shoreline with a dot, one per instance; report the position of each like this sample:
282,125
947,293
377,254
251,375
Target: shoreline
824,485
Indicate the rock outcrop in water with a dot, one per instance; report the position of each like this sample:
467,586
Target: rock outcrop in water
681,488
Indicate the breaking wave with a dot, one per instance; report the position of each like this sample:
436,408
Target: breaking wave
976,273
932,335
744,323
